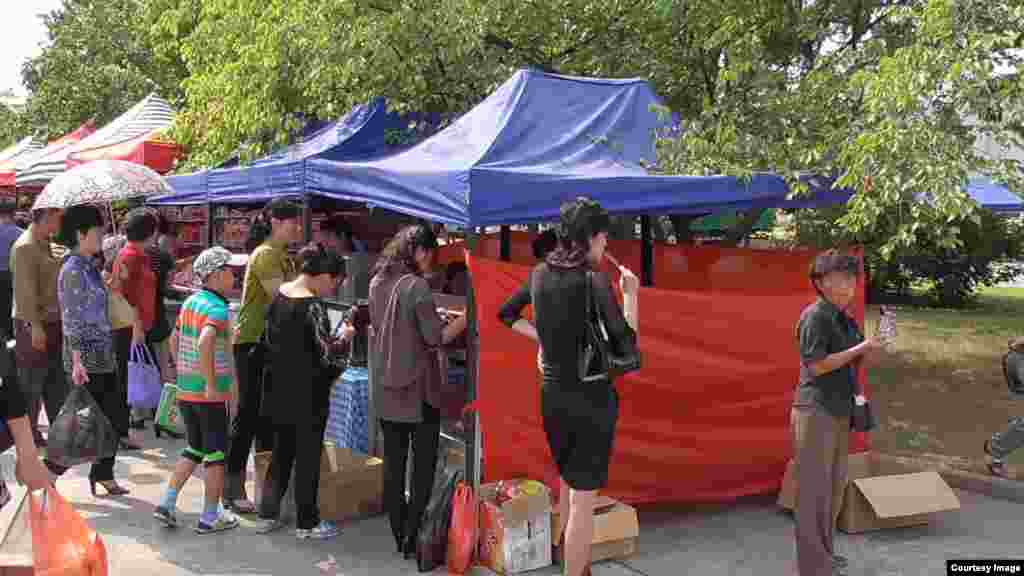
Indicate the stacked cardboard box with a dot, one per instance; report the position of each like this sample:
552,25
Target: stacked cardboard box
515,534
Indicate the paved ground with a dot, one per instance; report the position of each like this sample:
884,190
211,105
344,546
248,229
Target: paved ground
748,537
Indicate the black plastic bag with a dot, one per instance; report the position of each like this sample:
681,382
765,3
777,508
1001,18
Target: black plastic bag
432,541
81,432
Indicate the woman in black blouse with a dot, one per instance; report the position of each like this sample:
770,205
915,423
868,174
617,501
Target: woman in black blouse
305,359
579,418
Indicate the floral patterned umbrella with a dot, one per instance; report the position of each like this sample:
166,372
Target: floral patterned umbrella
101,182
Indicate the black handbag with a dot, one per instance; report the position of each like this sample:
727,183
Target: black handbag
604,357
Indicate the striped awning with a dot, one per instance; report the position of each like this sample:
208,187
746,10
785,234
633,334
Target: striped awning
26,144
10,157
150,115
62,143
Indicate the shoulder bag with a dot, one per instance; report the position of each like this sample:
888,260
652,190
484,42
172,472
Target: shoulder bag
602,357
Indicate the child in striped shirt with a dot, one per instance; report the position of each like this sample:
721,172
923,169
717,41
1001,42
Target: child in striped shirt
201,344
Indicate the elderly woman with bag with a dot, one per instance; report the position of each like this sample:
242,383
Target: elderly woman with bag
831,345
571,303
89,358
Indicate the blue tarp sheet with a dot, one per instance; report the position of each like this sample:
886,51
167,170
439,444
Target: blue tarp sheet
367,131
535,142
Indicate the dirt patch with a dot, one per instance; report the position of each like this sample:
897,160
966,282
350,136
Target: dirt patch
941,393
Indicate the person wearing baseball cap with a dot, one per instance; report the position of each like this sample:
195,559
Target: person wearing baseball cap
200,344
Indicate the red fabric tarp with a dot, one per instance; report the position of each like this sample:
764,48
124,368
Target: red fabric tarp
158,155
707,418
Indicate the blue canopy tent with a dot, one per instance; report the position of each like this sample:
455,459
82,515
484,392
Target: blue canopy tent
994,196
366,132
535,142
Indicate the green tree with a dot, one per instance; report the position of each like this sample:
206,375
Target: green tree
889,95
97,63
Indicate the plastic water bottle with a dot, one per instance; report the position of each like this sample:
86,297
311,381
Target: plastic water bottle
887,327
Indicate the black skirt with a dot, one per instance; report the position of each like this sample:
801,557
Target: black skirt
579,420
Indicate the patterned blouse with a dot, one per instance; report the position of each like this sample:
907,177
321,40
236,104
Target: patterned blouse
84,314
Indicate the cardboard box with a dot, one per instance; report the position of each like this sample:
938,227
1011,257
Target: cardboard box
616,530
16,535
880,496
351,484
515,536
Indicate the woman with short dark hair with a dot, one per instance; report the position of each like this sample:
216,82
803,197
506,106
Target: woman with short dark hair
408,333
134,279
579,417
305,359
831,345
89,357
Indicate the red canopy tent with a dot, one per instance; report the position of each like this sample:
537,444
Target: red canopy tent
151,150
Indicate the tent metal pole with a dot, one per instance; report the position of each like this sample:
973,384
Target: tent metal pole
506,243
473,452
307,219
646,252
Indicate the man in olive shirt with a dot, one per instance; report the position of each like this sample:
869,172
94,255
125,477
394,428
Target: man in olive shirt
37,317
269,266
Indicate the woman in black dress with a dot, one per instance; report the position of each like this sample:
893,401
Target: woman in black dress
305,359
579,418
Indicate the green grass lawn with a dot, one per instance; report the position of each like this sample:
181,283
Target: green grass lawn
941,392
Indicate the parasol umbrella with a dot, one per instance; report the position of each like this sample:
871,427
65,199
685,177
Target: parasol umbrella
101,182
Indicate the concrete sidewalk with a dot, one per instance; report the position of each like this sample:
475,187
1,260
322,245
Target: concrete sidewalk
749,537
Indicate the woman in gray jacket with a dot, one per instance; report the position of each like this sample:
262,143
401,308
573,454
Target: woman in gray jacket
408,335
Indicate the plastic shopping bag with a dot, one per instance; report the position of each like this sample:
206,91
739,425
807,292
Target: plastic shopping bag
81,432
462,534
62,543
144,386
168,419
432,541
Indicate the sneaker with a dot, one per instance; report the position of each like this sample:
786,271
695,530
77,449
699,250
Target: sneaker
166,517
225,521
324,531
268,525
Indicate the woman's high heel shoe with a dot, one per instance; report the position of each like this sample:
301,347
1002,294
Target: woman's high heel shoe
112,487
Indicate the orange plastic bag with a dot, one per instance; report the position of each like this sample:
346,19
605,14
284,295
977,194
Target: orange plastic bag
462,534
62,543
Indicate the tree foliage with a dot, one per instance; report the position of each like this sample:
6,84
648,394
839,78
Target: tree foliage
98,61
888,95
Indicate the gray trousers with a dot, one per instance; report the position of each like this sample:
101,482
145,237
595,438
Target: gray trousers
821,447
47,384
1004,443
